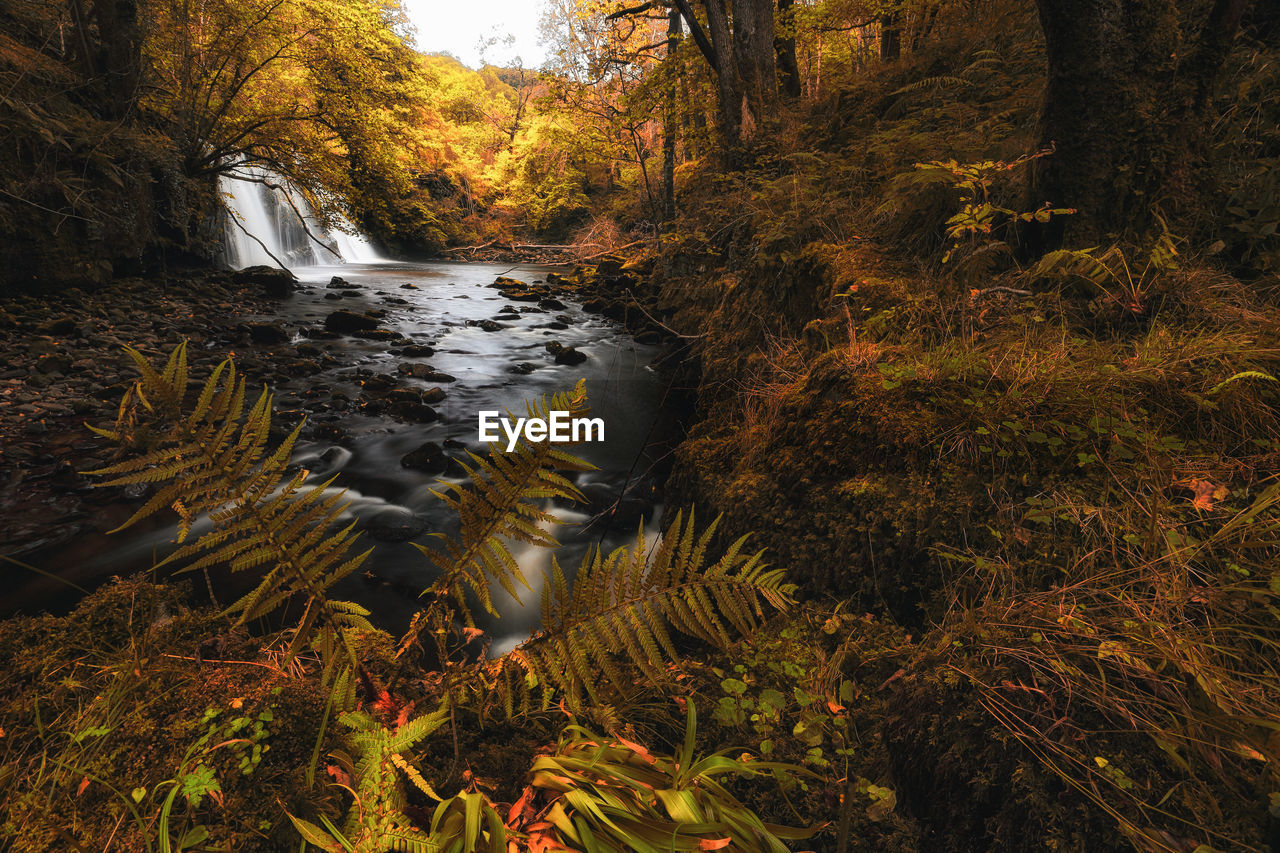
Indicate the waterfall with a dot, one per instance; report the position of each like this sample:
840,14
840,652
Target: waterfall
263,212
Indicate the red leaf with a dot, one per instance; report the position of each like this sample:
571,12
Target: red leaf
84,783
339,775
713,843
519,806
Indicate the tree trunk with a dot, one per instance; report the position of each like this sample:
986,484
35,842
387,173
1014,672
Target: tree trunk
121,52
753,51
784,44
1126,109
729,114
890,36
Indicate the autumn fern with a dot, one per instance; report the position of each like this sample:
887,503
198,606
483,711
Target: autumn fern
211,457
621,609
501,502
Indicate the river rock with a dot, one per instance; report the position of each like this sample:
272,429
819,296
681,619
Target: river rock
379,382
418,351
54,363
377,335
433,395
404,395
570,355
554,347
609,267
338,281
551,304
522,368
60,327
266,333
415,369
347,322
490,325
428,458
419,413
395,524
274,282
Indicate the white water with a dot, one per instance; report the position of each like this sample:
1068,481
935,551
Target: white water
268,223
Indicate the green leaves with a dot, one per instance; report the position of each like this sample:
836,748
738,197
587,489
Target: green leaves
611,794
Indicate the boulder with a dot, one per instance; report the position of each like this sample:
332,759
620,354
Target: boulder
377,335
416,369
60,327
428,458
419,413
609,267
274,282
266,333
346,322
570,355
395,524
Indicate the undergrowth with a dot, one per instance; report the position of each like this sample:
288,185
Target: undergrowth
145,748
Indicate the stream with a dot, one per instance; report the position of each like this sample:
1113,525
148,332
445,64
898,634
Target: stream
439,305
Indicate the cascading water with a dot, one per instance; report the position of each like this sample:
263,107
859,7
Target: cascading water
269,221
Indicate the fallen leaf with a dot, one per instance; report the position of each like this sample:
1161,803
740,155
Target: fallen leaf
1206,493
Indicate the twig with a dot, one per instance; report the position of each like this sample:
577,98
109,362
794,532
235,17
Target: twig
240,225
1000,288
654,319
610,251
302,220
469,248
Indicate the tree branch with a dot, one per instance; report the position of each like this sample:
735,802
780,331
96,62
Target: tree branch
699,35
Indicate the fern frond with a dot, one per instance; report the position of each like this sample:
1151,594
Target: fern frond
933,83
215,460
501,502
620,607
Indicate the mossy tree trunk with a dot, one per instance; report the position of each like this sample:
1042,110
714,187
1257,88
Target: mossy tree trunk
1126,109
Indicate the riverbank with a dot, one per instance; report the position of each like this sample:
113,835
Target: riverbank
1036,483
65,366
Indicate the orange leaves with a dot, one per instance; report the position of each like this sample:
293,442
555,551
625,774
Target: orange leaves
1205,493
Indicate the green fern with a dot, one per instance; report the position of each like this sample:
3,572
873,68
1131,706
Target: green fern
619,609
376,821
213,459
